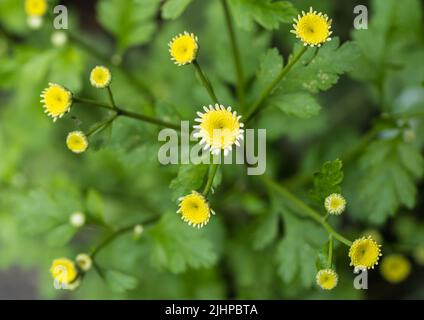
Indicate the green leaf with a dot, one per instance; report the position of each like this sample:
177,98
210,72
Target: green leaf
132,22
60,235
119,281
386,179
300,104
190,177
320,71
297,251
177,246
270,66
94,204
269,14
327,180
267,230
172,9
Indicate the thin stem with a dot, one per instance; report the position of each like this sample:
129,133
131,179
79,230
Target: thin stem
117,234
212,171
306,209
235,51
101,125
326,217
265,94
205,81
112,100
330,251
128,114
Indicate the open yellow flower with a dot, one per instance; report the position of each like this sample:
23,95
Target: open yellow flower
57,100
35,8
312,28
364,252
64,271
335,204
219,129
77,142
395,268
194,209
183,48
100,77
327,279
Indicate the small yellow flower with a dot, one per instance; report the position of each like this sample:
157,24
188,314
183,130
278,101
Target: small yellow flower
327,279
35,8
84,261
77,142
419,255
100,77
395,268
183,48
194,209
364,252
64,271
57,100
335,204
312,28
219,129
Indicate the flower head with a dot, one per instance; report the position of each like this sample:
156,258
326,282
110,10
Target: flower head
34,22
335,204
100,77
64,271
77,219
419,255
364,252
57,100
59,38
312,28
194,209
77,142
35,8
326,279
183,48
219,129
395,268
84,261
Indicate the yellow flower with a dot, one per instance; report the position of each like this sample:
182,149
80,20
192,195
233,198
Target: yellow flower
35,8
183,48
312,28
327,279
57,100
395,268
77,142
84,261
194,209
364,252
419,255
100,77
219,129
335,204
64,271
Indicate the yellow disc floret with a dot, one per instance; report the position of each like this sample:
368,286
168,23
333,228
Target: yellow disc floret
63,271
326,279
395,268
312,28
194,209
364,252
57,100
183,48
219,129
77,142
35,8
100,77
335,204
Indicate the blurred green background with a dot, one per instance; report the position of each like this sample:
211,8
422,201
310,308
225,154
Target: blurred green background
373,114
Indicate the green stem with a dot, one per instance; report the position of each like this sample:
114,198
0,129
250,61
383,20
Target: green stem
101,125
268,90
117,234
212,171
314,215
112,100
128,114
235,51
205,82
330,251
